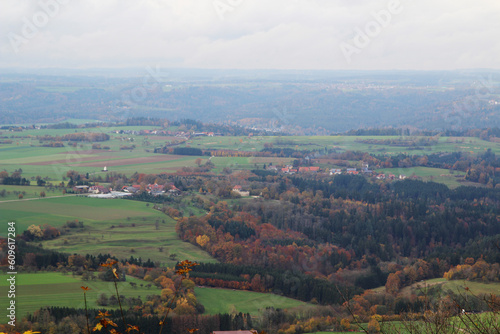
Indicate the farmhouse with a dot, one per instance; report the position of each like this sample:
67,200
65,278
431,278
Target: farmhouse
308,169
289,170
98,190
335,171
155,188
174,191
352,171
238,189
81,189
365,170
131,189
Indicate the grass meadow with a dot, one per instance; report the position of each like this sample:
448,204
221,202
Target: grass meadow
11,192
457,286
120,227
55,162
37,290
450,179
353,143
230,301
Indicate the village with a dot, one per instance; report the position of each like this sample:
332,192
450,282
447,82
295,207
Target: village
101,191
289,169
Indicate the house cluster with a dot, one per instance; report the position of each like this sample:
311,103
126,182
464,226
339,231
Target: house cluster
203,134
352,171
337,171
97,189
292,170
153,189
143,132
167,133
194,134
308,169
390,177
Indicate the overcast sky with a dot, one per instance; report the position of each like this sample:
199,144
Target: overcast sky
251,34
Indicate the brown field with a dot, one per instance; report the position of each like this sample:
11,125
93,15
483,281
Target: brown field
79,161
98,152
131,161
74,157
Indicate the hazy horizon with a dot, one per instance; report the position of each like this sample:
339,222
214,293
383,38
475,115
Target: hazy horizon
250,35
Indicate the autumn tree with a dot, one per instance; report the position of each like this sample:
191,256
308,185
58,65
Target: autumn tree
345,324
373,326
202,240
393,283
76,261
35,231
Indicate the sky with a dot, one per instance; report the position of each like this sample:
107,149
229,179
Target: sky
251,34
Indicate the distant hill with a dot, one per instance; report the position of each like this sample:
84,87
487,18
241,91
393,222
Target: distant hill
298,100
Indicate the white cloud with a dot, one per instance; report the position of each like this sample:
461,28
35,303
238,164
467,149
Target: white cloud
438,34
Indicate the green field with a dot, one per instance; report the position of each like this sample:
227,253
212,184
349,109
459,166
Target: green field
25,152
11,192
457,286
229,301
120,227
34,291
444,144
54,163
429,174
56,211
